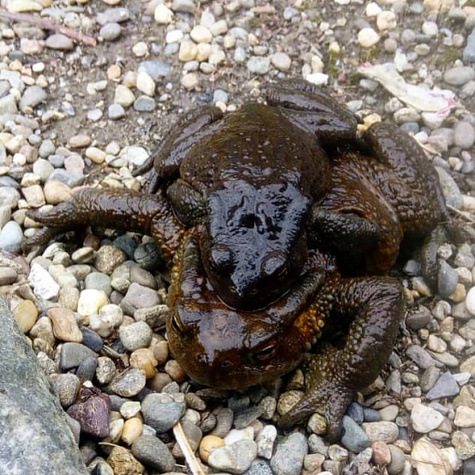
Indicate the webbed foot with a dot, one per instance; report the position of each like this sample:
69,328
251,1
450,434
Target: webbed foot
376,306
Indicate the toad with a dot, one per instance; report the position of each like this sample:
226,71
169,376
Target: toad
273,219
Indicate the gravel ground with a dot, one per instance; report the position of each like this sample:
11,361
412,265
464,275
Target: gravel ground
74,113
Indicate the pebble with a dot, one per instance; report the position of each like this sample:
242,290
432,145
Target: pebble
381,453
122,462
354,438
258,65
469,301
384,430
446,386
92,415
281,61
145,83
129,383
367,37
132,430
107,258
208,444
56,192
427,458
65,326
32,96
87,369
265,441
160,412
7,276
25,314
458,76
115,111
289,455
43,284
469,50
73,354
425,419
155,68
113,15
464,134
110,31
235,458
91,301
123,96
66,387
153,453
163,15
144,104
98,281
464,417
59,42
11,237
134,336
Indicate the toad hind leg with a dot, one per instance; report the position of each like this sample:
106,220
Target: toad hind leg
376,305
122,209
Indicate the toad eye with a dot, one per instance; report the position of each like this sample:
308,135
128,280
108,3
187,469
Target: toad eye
266,353
177,326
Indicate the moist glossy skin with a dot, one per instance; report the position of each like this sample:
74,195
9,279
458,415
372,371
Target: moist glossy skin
261,213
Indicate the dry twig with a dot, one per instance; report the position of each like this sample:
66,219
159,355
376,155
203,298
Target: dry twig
190,458
49,25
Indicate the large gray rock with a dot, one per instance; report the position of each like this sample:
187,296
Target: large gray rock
34,433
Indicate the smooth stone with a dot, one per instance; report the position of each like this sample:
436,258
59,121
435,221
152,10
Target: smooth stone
91,301
135,336
113,15
420,356
469,50
32,96
73,354
59,42
107,258
9,196
138,296
459,75
115,111
160,412
450,189
123,462
425,419
152,452
44,286
98,281
144,104
91,339
129,383
25,314
155,68
258,65
11,237
235,458
65,326
92,415
110,31
446,386
447,279
470,301
354,438
7,276
383,430
87,369
289,455
464,134
66,386
265,441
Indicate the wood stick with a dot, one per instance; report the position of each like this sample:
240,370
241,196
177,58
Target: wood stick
49,25
190,458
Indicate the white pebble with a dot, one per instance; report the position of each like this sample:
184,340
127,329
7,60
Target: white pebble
470,301
43,284
367,37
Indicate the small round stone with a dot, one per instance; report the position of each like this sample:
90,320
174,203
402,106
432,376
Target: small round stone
110,31
129,383
144,359
152,452
281,61
208,444
25,314
132,430
135,336
367,37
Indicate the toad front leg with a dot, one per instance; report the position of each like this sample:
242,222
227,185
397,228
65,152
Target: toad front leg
118,209
376,306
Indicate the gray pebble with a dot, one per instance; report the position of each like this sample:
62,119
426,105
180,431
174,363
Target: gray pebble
9,196
446,386
220,96
355,411
98,281
371,415
8,105
235,458
148,256
65,386
447,279
258,467
11,237
420,356
94,115
429,378
144,104
110,31
46,149
7,276
43,169
87,369
289,455
32,96
258,65
155,68
137,297
450,189
115,111
91,339
464,134
7,181
73,354
161,412
469,50
419,319
129,383
183,6
135,336
459,75
113,15
247,416
59,42
153,453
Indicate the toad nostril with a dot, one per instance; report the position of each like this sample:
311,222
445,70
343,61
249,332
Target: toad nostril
274,264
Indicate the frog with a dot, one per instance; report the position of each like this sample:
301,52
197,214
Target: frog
275,220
